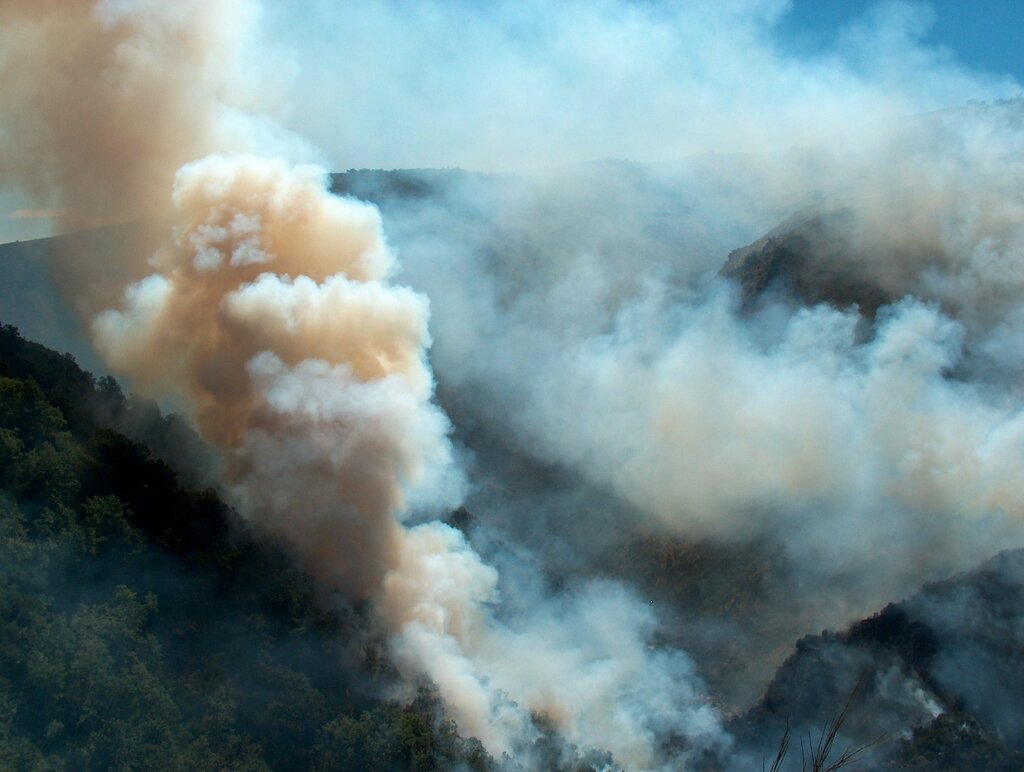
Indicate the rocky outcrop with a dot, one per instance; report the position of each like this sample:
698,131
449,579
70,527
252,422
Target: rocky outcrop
805,259
956,648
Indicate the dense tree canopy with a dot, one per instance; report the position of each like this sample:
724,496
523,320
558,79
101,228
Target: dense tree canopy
142,627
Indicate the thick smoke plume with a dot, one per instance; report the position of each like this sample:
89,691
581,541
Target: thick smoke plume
315,387
269,314
316,390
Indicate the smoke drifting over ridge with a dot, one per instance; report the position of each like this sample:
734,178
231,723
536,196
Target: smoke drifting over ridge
879,452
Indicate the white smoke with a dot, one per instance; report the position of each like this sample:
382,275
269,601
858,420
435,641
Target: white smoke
881,454
583,660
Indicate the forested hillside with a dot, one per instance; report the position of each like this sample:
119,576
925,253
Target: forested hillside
141,625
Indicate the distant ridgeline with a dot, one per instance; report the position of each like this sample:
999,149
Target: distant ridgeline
142,627
378,185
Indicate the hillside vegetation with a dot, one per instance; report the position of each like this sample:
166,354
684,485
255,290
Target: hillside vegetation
143,627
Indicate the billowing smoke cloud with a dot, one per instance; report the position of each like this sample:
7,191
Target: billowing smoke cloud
316,390
268,313
880,452
315,386
576,315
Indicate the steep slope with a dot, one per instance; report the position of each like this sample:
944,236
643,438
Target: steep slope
932,678
144,627
805,259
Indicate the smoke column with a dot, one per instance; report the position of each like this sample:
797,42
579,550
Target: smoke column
315,387
268,312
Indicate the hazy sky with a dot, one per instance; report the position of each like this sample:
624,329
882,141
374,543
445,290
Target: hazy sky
502,85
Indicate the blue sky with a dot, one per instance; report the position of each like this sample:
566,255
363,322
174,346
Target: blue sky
983,34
